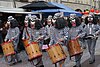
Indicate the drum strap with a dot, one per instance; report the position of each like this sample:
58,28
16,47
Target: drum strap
27,33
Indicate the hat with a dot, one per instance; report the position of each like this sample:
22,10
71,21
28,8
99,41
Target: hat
33,17
49,17
26,21
26,17
10,18
89,15
72,16
57,15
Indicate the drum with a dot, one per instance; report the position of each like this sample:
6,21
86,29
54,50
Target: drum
25,41
33,50
74,47
8,48
56,53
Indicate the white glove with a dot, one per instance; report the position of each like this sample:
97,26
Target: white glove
5,40
12,38
23,38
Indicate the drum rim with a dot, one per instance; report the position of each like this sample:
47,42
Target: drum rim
32,43
10,54
6,42
40,55
52,46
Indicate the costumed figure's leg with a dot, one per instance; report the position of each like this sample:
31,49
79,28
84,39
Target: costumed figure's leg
11,60
61,63
78,60
91,48
40,64
17,56
83,43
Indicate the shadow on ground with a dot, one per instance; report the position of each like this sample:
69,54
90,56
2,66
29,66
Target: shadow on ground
96,64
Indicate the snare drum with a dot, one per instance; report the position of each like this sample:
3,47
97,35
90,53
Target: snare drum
56,53
33,50
74,47
8,48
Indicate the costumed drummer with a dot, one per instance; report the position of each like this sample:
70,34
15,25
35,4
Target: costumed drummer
38,35
48,26
13,35
35,34
75,31
59,33
92,30
27,30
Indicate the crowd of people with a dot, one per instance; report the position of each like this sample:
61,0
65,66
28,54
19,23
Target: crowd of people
55,29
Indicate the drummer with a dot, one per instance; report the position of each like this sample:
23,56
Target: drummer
38,35
59,33
27,29
75,32
92,30
35,33
48,26
13,35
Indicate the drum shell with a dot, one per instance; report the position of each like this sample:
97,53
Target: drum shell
33,50
74,47
56,53
25,41
8,48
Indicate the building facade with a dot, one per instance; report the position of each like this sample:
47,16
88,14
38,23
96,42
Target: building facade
74,4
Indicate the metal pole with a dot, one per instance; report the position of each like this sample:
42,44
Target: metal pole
95,4
14,3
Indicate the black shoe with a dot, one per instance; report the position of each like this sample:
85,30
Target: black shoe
91,62
19,61
11,63
43,50
40,66
77,66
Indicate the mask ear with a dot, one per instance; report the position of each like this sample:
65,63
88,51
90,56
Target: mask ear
73,20
53,21
91,18
32,22
26,21
8,22
49,20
